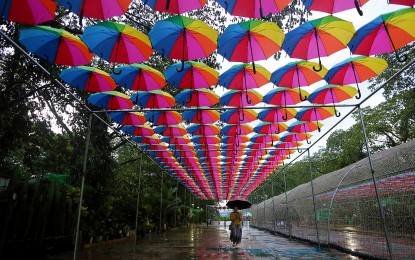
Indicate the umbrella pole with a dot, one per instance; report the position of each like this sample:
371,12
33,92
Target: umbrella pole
299,86
320,67
88,135
381,212
263,193
252,53
314,199
138,199
287,209
359,95
400,59
318,126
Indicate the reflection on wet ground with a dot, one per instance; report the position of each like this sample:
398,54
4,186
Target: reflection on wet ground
201,242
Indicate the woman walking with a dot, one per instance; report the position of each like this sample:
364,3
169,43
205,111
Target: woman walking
236,227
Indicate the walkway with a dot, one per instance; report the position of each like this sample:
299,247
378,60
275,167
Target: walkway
201,242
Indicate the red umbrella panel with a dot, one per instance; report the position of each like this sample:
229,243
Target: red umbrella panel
153,99
315,114
127,118
238,116
164,117
88,79
199,116
334,6
239,98
194,75
204,130
111,100
197,98
277,115
269,128
139,77
175,6
28,11
283,97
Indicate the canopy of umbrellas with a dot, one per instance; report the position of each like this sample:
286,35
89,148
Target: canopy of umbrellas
246,154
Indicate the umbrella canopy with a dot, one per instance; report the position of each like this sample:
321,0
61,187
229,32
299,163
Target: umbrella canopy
236,129
355,70
28,11
174,130
250,41
315,114
254,8
332,94
205,130
183,38
238,116
239,98
55,46
138,130
127,118
283,97
88,79
304,127
139,77
100,9
194,75
110,100
164,117
175,6
318,38
197,97
115,42
199,116
386,33
277,114
239,203
269,128
334,6
297,74
402,2
153,99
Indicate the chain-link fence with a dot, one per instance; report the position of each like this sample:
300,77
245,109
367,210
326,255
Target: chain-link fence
345,213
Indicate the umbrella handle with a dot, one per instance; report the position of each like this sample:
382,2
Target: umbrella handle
190,98
265,17
197,115
318,52
337,113
167,4
320,67
243,116
357,5
307,140
114,72
402,58
301,96
182,68
359,94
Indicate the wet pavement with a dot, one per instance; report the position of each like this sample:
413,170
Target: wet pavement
201,242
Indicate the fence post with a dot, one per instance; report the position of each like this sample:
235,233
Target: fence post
273,204
381,212
265,221
314,199
175,205
138,199
161,199
289,217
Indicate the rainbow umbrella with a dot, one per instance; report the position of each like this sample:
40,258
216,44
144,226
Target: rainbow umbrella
250,41
386,33
115,42
175,6
304,127
88,79
236,129
318,38
283,97
402,2
127,118
153,99
239,98
100,9
197,97
237,139
206,140
253,8
55,45
334,6
110,100
205,130
164,117
270,128
28,11
264,138
295,137
150,140
276,114
297,74
139,77
177,140
315,114
194,75
173,130
183,38
238,116
355,70
332,94
138,130
200,116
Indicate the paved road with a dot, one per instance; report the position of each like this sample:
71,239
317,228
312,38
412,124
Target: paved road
201,242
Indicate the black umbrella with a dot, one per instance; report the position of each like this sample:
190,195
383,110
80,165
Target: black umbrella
240,203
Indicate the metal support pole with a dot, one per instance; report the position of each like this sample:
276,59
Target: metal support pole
184,208
257,208
273,205
161,200
263,193
138,200
288,220
207,220
175,205
88,136
314,199
381,212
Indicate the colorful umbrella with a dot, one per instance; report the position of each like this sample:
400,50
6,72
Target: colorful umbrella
402,2
254,8
175,6
151,140
388,32
315,114
164,117
295,137
304,127
88,79
269,128
318,38
55,45
283,97
153,99
238,116
110,100
127,118
206,140
139,77
197,97
199,116
205,130
250,41
334,6
236,129
194,75
297,74
332,94
264,138
100,9
174,130
276,114
28,11
183,38
115,42
239,98
138,130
